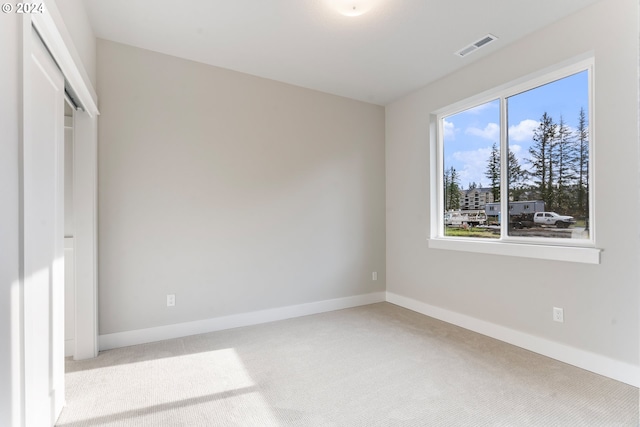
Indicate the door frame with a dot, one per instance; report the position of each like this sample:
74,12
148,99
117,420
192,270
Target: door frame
52,30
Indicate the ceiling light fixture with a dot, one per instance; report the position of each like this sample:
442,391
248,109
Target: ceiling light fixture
352,7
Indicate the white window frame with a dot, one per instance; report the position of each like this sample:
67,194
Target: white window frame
572,250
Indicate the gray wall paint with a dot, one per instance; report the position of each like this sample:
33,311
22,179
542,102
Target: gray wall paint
235,193
600,301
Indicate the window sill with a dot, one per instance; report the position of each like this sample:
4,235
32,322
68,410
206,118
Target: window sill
587,255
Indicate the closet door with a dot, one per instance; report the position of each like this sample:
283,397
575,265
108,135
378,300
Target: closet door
43,227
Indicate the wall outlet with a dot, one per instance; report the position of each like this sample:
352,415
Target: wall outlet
558,315
171,300
374,275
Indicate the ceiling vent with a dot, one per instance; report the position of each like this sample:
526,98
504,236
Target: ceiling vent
476,45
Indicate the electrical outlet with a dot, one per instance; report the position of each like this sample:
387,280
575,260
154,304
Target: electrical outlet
171,300
374,275
558,315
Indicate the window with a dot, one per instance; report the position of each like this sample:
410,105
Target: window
538,131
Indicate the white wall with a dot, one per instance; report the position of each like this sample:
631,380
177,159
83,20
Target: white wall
233,192
10,45
77,22
600,301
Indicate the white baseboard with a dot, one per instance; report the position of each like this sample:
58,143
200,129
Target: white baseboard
69,347
602,365
142,336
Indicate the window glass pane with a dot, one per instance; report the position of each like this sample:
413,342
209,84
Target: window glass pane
548,140
471,148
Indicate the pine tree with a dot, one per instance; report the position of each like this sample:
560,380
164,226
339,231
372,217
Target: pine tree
581,165
451,189
562,162
516,177
493,172
516,174
541,154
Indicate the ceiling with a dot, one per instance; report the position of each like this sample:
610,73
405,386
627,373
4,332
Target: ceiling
394,48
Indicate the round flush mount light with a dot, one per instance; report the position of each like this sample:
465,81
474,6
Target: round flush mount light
352,7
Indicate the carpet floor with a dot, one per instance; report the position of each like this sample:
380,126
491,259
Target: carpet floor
376,365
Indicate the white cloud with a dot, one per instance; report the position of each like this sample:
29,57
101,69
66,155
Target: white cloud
474,165
523,131
491,131
449,129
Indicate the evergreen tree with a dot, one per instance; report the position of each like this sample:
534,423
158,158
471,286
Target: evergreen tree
581,165
451,189
516,174
562,162
541,152
493,172
516,177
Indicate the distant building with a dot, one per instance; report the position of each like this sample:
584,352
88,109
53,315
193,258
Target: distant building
516,208
475,198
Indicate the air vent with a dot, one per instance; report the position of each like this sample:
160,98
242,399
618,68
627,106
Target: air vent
476,45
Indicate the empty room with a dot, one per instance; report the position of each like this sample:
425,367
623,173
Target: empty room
320,213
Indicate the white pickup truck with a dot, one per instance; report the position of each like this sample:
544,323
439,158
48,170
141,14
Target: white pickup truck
552,218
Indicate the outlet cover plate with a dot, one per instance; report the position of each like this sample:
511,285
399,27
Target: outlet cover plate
558,314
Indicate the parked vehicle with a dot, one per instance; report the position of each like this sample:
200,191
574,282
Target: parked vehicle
552,218
465,218
527,214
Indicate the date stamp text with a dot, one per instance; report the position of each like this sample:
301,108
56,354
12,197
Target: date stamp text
23,8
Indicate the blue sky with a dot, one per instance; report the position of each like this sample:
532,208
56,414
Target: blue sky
469,135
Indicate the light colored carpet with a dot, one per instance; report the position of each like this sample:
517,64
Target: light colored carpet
378,365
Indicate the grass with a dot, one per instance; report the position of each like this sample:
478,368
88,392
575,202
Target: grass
472,232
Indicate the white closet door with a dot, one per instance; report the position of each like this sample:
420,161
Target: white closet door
43,198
